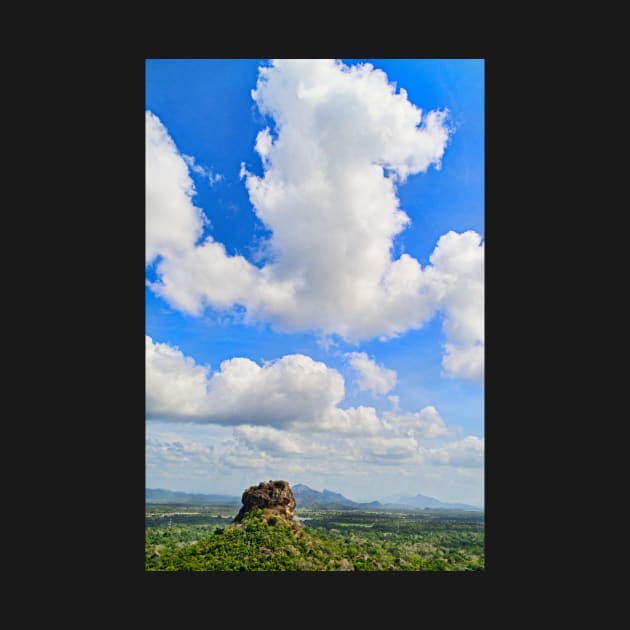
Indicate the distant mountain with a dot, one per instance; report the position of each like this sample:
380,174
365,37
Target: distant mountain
420,502
158,495
306,497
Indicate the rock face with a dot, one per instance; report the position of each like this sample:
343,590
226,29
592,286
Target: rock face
272,495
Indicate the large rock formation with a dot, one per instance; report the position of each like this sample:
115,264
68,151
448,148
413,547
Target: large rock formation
273,495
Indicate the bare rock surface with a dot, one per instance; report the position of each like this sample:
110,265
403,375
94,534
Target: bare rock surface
268,495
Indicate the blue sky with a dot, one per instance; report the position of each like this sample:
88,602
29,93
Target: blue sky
314,298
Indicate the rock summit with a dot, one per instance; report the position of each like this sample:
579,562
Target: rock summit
275,496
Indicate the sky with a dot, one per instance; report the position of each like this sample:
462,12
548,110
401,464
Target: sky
314,264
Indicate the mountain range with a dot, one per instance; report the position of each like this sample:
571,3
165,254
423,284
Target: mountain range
306,497
420,502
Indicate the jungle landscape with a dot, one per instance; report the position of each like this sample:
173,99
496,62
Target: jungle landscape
275,528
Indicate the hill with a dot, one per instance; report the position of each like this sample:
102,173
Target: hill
421,502
262,541
306,497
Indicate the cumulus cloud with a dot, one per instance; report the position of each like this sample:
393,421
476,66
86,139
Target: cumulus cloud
285,409
376,378
467,453
426,423
343,139
293,391
464,361
173,223
229,280
175,384
457,277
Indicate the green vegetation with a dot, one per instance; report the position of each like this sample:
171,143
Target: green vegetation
203,538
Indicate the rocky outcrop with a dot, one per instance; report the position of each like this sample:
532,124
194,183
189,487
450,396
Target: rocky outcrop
272,495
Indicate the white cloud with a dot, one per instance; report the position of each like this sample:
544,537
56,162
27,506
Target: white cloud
176,450
424,424
354,110
175,384
230,279
293,391
173,223
270,440
393,448
464,361
352,420
457,278
468,453
373,377
328,201
248,460
343,141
